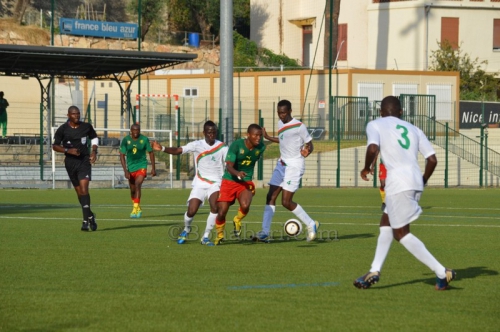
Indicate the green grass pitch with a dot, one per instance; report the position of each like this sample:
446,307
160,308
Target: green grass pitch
131,275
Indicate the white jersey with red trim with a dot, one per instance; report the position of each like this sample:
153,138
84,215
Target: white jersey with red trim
292,135
209,161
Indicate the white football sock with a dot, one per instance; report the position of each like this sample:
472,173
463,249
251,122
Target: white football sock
187,223
417,248
383,245
267,218
303,216
210,224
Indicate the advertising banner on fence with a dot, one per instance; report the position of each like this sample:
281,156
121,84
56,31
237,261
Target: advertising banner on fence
71,26
473,114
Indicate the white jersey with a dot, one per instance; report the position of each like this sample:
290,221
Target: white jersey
292,135
399,143
209,161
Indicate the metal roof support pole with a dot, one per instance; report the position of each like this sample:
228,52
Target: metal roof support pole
126,106
45,120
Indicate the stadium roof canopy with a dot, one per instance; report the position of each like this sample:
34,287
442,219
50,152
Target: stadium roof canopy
49,61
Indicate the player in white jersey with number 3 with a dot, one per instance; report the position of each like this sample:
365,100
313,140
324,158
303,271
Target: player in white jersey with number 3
399,143
295,145
209,160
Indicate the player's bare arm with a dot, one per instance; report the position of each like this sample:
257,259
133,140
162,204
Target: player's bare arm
269,138
234,172
372,166
124,166
153,166
371,154
158,147
430,165
307,149
93,154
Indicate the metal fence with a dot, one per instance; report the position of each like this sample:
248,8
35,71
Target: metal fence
338,133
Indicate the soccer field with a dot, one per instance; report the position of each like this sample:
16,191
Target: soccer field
131,275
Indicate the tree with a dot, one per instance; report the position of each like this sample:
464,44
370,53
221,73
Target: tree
20,9
335,30
248,54
475,83
109,10
204,15
152,12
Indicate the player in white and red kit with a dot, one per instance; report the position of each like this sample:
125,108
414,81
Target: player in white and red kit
295,145
209,160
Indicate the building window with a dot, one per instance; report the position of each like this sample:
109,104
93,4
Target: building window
191,92
342,42
307,45
374,92
449,31
496,34
404,88
275,80
283,80
444,104
102,84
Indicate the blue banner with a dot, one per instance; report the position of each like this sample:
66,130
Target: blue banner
71,26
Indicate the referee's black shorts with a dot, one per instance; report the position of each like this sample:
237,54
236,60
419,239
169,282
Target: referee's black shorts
78,169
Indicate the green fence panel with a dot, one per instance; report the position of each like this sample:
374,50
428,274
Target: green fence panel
420,110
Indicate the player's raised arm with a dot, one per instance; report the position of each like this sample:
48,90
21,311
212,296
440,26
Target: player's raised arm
158,147
269,138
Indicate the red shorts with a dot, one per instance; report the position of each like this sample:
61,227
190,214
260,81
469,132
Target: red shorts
382,173
231,190
140,172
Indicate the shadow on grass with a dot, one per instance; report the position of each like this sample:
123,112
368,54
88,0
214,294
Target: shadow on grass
356,236
168,215
136,226
58,327
6,209
467,273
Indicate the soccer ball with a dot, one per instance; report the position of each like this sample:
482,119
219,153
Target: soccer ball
293,227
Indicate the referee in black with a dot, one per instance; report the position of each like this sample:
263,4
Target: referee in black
72,139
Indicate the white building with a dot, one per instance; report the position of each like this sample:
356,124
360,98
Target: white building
378,34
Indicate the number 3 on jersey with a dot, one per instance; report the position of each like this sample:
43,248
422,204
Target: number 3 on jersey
405,143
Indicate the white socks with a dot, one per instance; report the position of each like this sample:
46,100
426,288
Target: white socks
303,216
383,245
268,218
418,249
210,224
187,223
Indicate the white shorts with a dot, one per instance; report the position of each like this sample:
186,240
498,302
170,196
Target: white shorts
287,177
203,193
403,208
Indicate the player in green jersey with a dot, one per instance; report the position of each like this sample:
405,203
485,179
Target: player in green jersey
237,183
133,148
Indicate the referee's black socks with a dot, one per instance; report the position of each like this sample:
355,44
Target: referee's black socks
85,203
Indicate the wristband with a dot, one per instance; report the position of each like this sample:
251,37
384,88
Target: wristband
163,148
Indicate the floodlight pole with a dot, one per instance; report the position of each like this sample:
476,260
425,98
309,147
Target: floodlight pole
52,9
139,37
226,70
